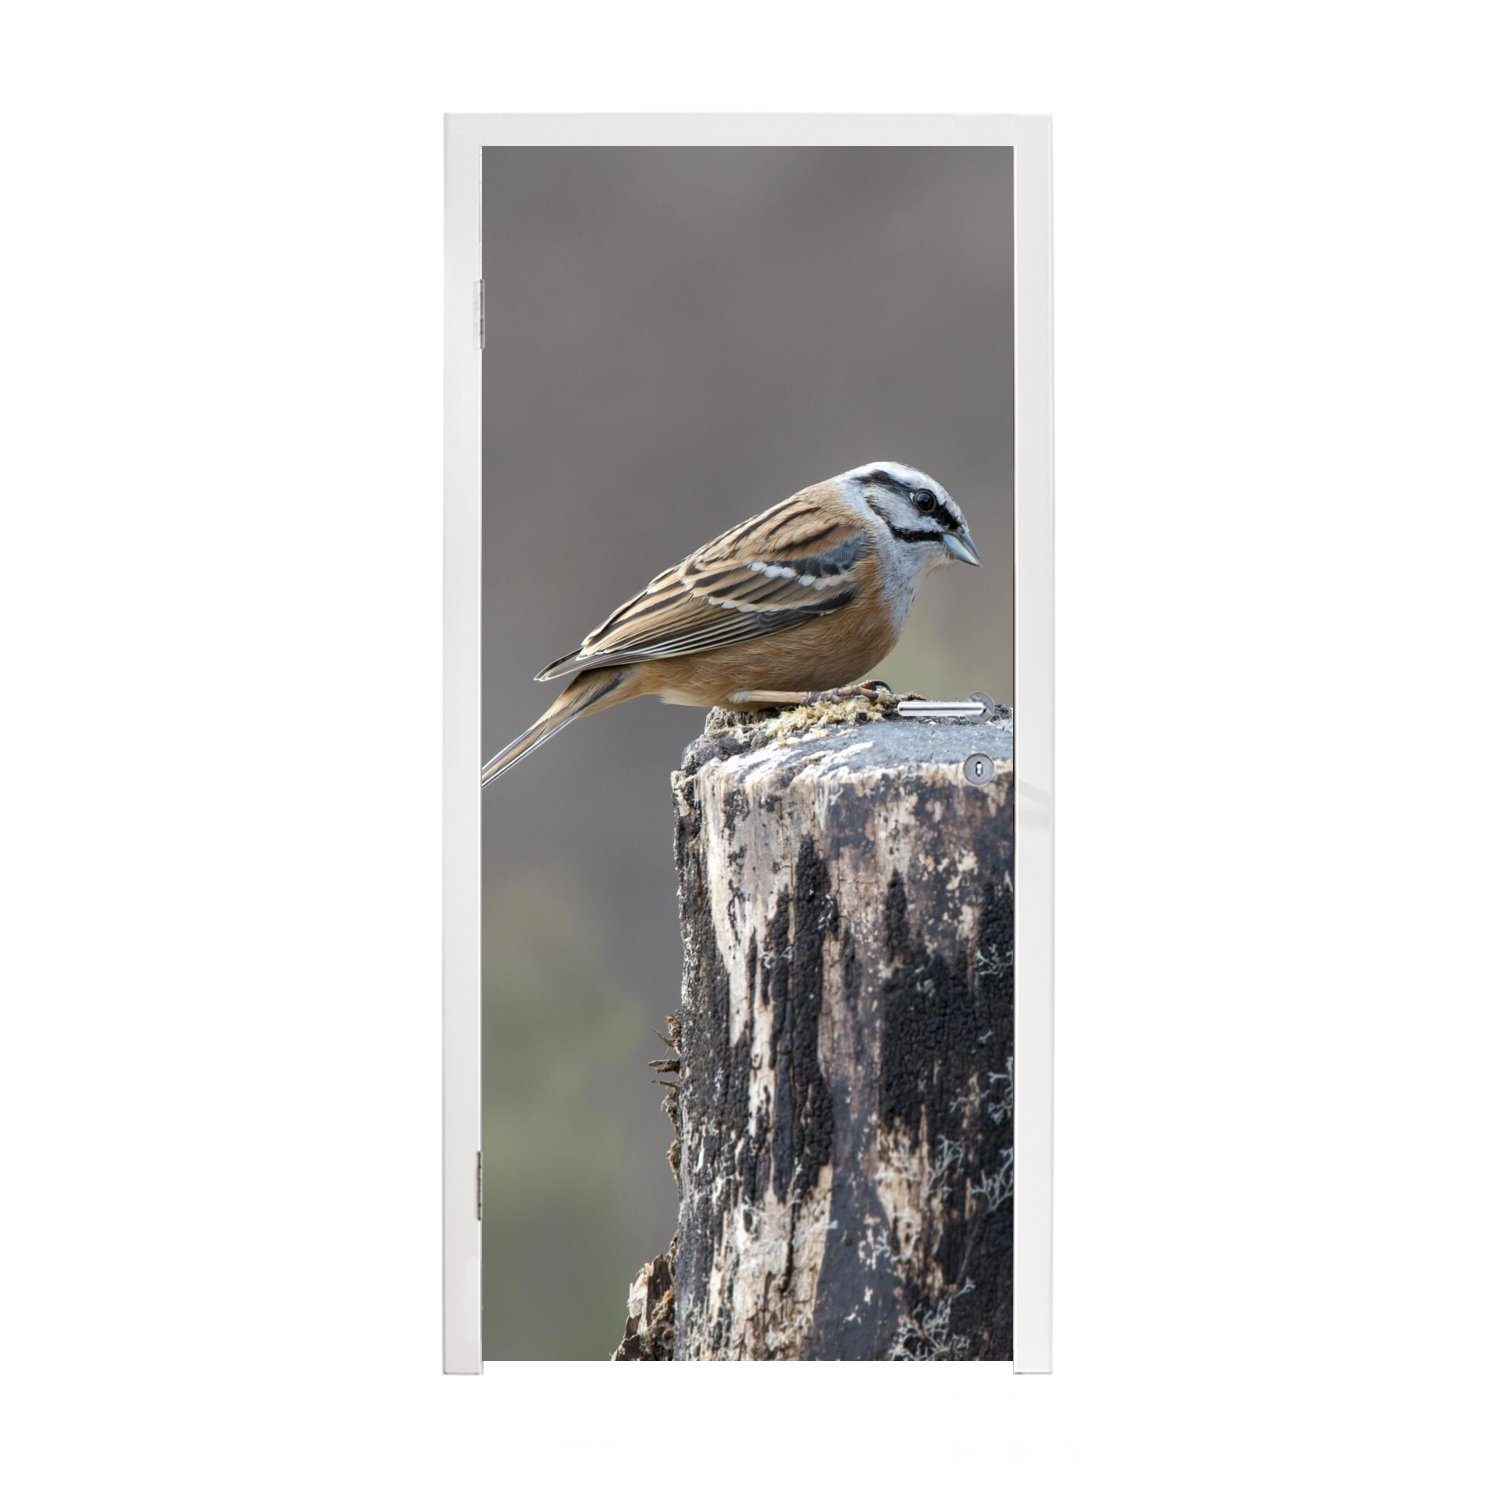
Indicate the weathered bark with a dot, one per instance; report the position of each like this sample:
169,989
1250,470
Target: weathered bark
846,1098
649,1313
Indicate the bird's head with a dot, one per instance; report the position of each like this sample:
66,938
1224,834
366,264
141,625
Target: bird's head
924,523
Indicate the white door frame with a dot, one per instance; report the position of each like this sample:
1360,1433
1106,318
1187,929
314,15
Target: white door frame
462,1311
1030,137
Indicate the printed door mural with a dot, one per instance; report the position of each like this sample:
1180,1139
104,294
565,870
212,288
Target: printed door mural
677,340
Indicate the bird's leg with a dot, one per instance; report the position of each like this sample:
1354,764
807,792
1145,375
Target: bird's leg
768,698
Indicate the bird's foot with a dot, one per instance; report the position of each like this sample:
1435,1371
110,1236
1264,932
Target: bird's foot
874,690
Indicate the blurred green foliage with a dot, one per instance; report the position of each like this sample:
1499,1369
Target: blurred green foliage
558,1029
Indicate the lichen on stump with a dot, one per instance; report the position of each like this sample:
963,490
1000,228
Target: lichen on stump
846,1089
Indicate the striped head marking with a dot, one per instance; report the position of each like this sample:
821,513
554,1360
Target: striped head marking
917,511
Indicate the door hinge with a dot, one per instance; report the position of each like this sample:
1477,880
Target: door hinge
479,312
479,1185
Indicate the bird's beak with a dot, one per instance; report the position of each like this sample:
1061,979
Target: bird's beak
961,545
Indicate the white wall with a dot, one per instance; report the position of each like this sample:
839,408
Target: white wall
1276,326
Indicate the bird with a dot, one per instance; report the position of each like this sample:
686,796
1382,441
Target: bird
795,604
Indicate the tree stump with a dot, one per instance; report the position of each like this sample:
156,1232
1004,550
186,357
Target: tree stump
845,1104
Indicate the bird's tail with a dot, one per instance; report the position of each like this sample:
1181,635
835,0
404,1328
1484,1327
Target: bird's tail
586,694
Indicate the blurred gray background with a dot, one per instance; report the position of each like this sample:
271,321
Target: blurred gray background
676,339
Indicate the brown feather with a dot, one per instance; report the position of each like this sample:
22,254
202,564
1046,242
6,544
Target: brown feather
587,694
777,573
820,653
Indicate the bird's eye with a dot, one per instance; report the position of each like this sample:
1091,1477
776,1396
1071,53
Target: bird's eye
925,501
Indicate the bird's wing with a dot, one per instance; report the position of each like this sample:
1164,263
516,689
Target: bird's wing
792,563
